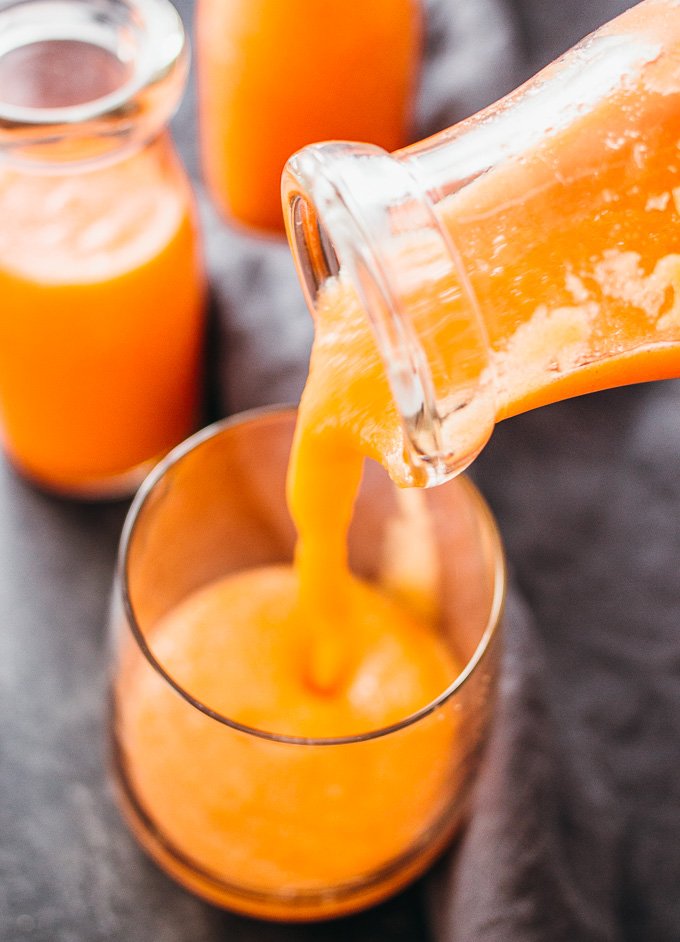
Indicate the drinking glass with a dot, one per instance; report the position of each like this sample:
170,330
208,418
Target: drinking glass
283,826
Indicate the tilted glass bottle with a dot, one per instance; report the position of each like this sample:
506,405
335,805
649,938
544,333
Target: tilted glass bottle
525,255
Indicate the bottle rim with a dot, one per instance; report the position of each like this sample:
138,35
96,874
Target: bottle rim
146,36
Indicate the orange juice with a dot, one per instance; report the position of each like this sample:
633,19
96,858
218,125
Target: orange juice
101,319
101,281
289,755
573,251
269,816
274,76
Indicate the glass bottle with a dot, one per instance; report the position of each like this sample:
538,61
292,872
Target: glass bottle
525,255
101,278
274,76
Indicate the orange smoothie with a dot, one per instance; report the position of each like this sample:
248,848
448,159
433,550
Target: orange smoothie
240,646
275,76
101,319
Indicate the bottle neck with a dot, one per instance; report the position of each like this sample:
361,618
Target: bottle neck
82,84
356,213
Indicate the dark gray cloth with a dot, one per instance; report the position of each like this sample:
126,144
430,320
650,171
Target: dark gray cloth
537,861
575,833
587,496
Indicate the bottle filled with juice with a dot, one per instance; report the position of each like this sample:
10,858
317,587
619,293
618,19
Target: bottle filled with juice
101,281
528,254
275,76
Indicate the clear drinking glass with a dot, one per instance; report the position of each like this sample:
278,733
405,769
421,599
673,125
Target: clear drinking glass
269,72
282,826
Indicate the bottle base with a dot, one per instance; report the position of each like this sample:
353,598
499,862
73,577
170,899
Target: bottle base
111,487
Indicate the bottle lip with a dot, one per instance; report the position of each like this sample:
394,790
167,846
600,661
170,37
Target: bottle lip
147,36
351,210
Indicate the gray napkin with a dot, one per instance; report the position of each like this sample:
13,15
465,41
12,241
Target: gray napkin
587,495
536,862
575,830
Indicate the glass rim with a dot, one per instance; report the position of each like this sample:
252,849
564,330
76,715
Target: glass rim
156,60
212,431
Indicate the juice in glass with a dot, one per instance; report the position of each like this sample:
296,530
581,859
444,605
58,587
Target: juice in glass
254,778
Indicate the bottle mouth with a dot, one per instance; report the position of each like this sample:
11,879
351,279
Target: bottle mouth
80,78
354,211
